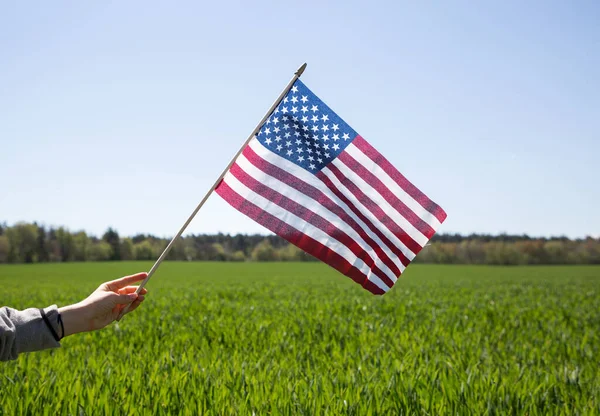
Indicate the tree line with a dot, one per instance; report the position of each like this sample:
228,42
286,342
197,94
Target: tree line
34,243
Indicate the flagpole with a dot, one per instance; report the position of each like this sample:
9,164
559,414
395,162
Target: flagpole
297,75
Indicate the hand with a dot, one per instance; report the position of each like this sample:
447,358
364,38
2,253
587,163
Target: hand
103,306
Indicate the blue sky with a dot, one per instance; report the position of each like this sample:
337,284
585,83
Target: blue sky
123,114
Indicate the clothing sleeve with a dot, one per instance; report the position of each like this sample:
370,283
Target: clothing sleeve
26,331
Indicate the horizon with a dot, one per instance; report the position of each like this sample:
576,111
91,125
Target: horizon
123,115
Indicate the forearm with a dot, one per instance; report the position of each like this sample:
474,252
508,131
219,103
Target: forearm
26,331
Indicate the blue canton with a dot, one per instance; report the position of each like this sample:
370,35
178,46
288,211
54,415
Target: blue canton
303,130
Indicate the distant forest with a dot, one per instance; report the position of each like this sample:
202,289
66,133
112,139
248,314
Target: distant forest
33,243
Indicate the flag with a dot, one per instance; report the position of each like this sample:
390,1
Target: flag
310,178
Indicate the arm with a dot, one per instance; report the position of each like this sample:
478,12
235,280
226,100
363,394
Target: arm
27,331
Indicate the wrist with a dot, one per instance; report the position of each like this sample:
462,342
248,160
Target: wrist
73,318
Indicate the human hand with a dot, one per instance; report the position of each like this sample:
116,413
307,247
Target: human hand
103,306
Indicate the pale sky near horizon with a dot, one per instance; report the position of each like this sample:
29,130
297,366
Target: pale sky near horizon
123,114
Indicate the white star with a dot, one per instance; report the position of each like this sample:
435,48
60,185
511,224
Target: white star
301,159
285,118
297,133
268,121
287,135
268,141
304,98
315,128
335,127
311,158
295,118
279,147
308,144
305,127
305,119
294,89
267,131
346,136
319,152
336,147
314,108
327,155
276,130
325,137
298,142
312,166
309,150
306,135
278,138
317,145
275,120
315,119
299,150
319,160
289,153
325,117
304,109
284,110
296,125
286,126
336,137
288,143
294,99
326,146
294,110
277,110
316,137
325,127
285,99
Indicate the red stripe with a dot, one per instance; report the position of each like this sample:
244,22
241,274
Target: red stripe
325,201
404,183
295,237
375,209
376,184
405,261
310,217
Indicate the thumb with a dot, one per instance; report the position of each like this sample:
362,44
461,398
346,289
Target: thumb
125,299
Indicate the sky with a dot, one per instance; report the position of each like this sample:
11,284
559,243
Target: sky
123,114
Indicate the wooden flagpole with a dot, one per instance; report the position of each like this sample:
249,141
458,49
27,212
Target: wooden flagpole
297,75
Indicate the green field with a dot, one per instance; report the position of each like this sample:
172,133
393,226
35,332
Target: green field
281,338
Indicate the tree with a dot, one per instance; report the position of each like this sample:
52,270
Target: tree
264,251
127,249
99,251
22,243
143,250
41,249
4,248
112,238
80,246
65,242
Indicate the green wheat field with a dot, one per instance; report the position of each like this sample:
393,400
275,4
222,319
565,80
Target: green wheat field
299,338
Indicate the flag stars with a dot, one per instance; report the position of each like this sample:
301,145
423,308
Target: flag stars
304,99
268,141
287,135
346,136
275,120
336,137
294,99
294,110
336,147
284,110
335,127
267,130
301,159
279,147
288,143
315,128
277,139
314,108
298,142
325,117
285,118
289,153
315,119
299,150
286,126
312,166
276,130
294,89
304,110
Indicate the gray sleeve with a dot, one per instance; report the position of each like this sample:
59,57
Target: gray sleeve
26,331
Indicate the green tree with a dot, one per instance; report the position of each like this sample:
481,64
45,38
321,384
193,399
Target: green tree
65,242
264,251
22,243
80,246
127,249
42,250
99,251
143,251
112,238
4,248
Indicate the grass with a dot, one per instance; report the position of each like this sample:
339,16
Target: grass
270,339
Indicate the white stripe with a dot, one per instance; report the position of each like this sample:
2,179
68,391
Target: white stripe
311,179
366,212
381,202
393,186
302,227
310,204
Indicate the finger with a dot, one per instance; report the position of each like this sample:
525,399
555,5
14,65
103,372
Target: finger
131,289
124,281
135,304
125,299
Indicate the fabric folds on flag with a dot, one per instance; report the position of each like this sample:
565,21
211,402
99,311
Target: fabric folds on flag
310,178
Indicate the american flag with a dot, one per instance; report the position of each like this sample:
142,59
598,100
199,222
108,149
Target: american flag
310,178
